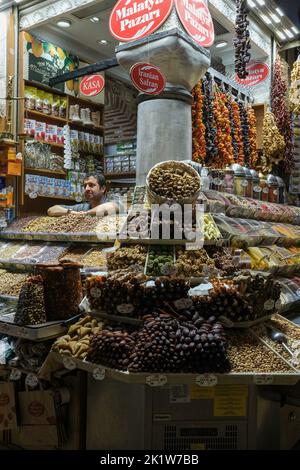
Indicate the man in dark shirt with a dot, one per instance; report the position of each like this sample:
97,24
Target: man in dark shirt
95,197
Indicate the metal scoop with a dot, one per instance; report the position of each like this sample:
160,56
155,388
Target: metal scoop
279,337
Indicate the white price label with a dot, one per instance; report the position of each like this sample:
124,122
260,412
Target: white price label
265,190
32,195
99,373
206,380
156,380
257,189
15,374
217,181
125,308
263,379
269,304
69,363
31,380
182,304
244,183
95,292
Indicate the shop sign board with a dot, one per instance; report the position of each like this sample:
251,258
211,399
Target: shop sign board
258,73
92,85
135,19
147,78
196,20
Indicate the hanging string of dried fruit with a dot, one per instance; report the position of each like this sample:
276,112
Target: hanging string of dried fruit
235,146
198,136
294,93
238,131
245,132
281,112
242,39
209,119
252,136
273,144
223,138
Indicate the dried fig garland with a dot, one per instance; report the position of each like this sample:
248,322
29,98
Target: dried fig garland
281,112
199,144
294,93
273,144
242,39
253,157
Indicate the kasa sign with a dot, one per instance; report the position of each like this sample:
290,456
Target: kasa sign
258,73
92,85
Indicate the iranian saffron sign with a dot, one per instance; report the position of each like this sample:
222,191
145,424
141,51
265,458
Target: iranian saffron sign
135,19
196,20
92,85
147,78
258,73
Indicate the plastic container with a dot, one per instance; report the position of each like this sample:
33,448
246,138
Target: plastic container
281,190
264,187
239,179
256,186
228,183
273,192
204,180
249,187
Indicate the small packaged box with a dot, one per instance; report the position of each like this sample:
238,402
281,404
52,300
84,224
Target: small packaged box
29,127
40,130
60,135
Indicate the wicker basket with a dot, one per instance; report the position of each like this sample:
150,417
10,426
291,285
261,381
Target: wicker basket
172,165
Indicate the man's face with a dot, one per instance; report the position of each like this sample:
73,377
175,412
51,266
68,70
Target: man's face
92,190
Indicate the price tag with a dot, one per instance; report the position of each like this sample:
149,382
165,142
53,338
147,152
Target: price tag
78,198
168,269
156,380
275,192
31,380
99,373
217,181
125,308
244,183
32,195
15,374
206,380
269,304
69,363
257,189
182,304
265,190
95,292
263,379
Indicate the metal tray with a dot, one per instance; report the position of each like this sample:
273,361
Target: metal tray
39,332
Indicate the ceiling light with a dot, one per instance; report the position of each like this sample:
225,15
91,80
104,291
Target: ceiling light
95,19
289,33
251,3
261,2
281,35
220,44
275,18
280,12
63,23
266,19
103,42
296,30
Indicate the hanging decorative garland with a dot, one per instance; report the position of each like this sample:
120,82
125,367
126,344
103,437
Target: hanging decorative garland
294,94
282,115
235,145
198,136
242,39
209,120
245,132
253,158
238,132
223,140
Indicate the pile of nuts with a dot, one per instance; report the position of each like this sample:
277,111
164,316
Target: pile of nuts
127,256
76,342
173,183
74,254
191,263
31,304
223,260
11,283
158,260
95,257
211,231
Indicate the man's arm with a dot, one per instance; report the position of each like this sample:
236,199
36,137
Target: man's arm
57,211
107,208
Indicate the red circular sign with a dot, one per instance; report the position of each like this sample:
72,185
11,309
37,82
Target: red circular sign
147,78
197,21
92,85
35,408
258,73
135,19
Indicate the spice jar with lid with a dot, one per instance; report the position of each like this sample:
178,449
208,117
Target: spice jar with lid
249,179
264,187
256,186
228,182
217,178
281,190
273,188
239,179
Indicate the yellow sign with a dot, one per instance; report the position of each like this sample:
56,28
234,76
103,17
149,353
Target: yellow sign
231,400
202,393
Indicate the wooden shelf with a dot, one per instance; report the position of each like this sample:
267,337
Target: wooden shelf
100,155
53,144
80,125
131,174
45,117
47,88
44,170
85,101
62,198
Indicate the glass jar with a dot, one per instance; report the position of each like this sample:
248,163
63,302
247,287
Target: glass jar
216,180
281,190
249,179
264,187
273,192
240,181
256,186
228,182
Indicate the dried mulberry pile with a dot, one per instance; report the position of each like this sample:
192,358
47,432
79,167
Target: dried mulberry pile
199,144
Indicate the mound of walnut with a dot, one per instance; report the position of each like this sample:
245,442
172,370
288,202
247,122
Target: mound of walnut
174,183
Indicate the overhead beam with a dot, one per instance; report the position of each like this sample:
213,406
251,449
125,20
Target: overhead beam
88,70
